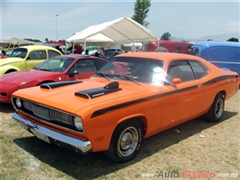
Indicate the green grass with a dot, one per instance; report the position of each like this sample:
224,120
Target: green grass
25,157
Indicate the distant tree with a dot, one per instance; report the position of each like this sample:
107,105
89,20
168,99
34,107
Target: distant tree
233,39
166,36
46,40
141,9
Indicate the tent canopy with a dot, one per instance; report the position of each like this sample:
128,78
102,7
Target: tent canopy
20,41
122,30
99,38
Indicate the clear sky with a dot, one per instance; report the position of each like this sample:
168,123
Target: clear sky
182,19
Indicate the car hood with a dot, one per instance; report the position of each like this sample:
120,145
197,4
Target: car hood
21,77
75,97
10,60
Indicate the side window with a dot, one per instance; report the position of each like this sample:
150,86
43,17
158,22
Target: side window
99,63
199,69
179,69
85,66
52,53
42,54
37,55
33,55
223,53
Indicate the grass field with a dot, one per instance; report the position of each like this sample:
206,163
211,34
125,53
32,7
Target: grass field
191,150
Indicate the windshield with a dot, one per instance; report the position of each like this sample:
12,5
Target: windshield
55,64
138,70
19,52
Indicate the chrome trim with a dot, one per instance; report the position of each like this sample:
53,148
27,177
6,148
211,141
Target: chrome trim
45,106
83,146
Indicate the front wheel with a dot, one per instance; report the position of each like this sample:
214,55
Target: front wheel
216,110
126,142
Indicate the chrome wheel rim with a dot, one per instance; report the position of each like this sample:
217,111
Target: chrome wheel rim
128,141
219,108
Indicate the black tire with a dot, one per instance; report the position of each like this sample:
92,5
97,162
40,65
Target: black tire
126,142
217,109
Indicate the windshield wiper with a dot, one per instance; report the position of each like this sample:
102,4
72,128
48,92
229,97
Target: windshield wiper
104,75
44,69
131,78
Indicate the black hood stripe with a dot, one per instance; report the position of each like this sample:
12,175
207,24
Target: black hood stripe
53,85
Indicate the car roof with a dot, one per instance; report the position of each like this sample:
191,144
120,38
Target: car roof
216,43
80,56
159,55
171,42
30,47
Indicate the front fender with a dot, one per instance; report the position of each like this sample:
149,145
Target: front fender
5,69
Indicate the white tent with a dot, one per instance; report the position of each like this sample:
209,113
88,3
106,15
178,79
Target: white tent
99,38
20,41
122,30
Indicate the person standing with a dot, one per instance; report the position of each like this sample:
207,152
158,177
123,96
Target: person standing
3,54
189,51
161,48
79,49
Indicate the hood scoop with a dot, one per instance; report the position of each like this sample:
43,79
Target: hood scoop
92,93
53,85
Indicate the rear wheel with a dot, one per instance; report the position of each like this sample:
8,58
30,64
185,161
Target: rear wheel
216,110
126,142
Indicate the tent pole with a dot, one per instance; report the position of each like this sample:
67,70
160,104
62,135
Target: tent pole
85,43
73,48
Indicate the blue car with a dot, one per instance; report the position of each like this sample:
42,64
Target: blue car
225,55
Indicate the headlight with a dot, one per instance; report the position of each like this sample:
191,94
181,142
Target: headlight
18,103
78,123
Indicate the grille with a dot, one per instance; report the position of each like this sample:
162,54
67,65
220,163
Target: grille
48,114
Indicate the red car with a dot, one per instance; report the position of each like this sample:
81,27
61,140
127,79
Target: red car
58,68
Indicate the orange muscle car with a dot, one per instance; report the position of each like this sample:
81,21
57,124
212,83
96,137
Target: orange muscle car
132,97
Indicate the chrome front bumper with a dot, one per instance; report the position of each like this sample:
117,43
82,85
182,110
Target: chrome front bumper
54,137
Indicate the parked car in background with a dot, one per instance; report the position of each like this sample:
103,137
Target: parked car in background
9,52
133,96
91,50
27,57
61,48
222,54
171,46
57,68
108,53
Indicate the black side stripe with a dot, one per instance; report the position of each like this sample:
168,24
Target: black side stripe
215,80
111,108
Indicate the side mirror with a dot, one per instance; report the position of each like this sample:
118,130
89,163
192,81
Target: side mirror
176,81
72,73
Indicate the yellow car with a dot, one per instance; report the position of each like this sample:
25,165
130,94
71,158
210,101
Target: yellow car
27,57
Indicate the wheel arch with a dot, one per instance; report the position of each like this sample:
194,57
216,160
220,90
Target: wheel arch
140,118
10,70
223,92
